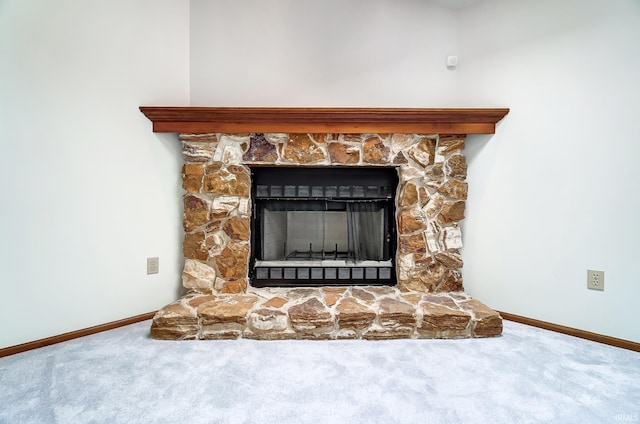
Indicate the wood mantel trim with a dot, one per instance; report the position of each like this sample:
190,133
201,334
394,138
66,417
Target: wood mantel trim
196,120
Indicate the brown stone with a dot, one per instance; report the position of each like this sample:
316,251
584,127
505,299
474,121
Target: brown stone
275,302
237,229
311,316
260,150
374,151
394,313
454,189
230,311
300,149
400,159
353,315
410,221
412,243
232,181
193,246
430,275
352,138
363,295
232,261
457,167
409,195
174,322
199,300
413,298
423,194
488,322
200,138
434,205
193,169
191,183
452,282
450,144
440,299
424,152
221,335
196,213
270,335
452,212
451,259
440,321
235,286
340,153
268,320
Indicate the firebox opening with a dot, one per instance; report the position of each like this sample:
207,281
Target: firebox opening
323,226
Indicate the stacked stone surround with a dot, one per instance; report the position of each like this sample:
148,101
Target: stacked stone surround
430,202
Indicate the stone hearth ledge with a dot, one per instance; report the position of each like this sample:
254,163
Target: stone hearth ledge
325,313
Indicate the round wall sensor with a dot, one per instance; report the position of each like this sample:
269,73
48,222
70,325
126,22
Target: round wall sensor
452,61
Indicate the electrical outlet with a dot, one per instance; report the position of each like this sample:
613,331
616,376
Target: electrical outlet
595,279
153,265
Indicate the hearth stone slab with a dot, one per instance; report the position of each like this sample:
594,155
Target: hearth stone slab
325,313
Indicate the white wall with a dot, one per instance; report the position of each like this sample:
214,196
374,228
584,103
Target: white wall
87,190
377,53
555,191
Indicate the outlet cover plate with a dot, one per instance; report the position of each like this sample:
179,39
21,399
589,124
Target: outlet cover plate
595,279
153,265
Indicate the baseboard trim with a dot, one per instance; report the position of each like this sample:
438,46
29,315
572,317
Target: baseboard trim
594,337
12,350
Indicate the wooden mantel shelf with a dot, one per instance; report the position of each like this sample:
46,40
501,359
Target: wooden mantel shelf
198,120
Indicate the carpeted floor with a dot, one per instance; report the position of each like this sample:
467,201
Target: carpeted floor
122,376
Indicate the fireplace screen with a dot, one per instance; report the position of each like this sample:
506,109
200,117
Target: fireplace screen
320,226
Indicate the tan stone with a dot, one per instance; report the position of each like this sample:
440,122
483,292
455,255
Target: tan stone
456,166
193,169
197,152
342,154
408,195
424,152
232,261
353,315
451,259
260,150
301,293
423,194
451,282
237,229
452,212
311,316
382,291
230,311
215,242
412,298
223,206
374,151
412,243
275,302
388,333
197,275
193,246
401,142
332,298
434,205
454,189
488,322
395,313
268,320
410,221
440,299
300,149
230,148
440,321
352,138
270,335
231,181
450,238
235,286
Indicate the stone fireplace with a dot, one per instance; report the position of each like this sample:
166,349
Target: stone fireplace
288,212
